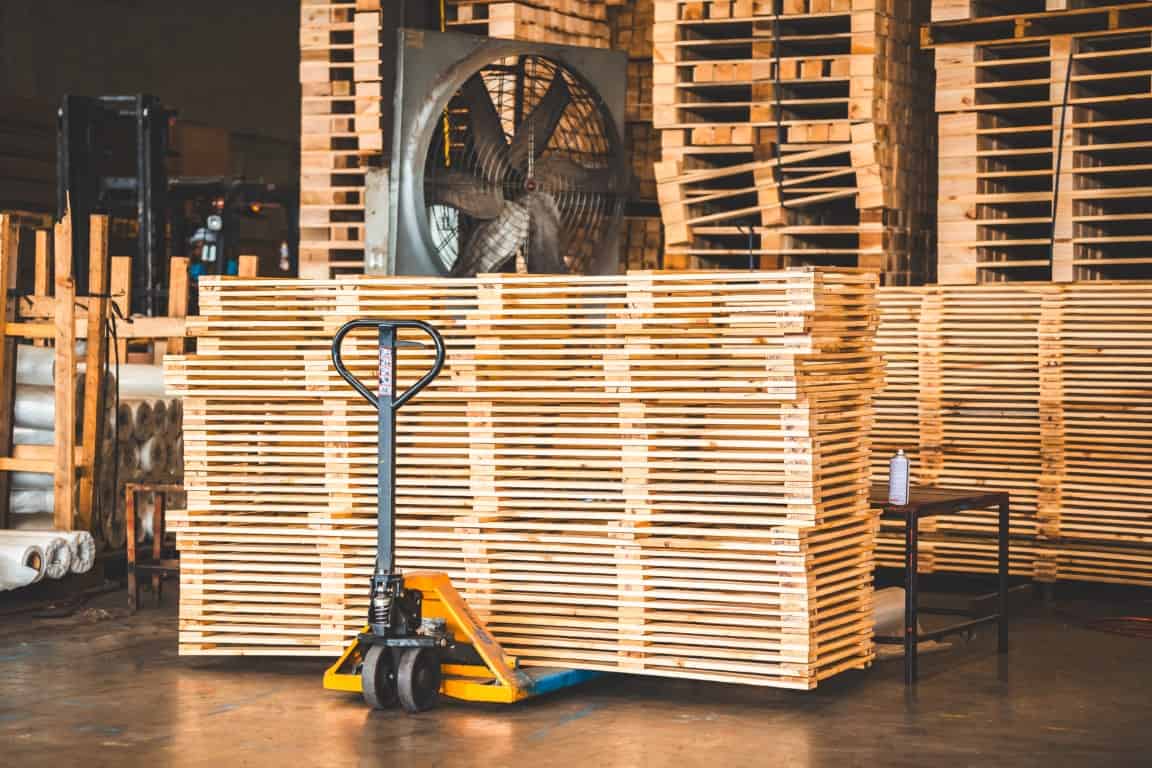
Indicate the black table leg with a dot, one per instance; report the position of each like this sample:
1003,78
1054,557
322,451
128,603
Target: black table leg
1002,624
911,623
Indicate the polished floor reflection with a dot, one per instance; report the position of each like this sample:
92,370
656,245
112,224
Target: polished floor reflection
92,691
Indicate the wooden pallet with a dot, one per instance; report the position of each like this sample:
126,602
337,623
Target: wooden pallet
792,138
567,22
643,242
340,83
1042,143
1036,389
661,473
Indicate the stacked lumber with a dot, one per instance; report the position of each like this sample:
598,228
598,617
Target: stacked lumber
791,136
641,242
1039,390
660,473
631,23
1044,171
340,84
568,22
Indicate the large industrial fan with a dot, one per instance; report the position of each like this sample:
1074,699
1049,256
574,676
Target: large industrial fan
505,153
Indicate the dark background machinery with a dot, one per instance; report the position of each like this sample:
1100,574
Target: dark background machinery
113,157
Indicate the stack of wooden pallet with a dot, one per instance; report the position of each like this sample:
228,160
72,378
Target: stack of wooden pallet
569,22
792,134
631,22
1044,121
1036,389
657,473
340,82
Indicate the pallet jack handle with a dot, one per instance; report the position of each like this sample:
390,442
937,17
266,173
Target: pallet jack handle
385,580
387,365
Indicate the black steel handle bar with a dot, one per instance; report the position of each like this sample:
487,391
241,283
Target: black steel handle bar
406,395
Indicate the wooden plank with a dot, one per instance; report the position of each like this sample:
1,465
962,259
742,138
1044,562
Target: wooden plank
9,250
121,286
177,300
64,488
92,412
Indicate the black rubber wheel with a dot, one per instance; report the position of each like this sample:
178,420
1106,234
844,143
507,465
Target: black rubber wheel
418,679
378,678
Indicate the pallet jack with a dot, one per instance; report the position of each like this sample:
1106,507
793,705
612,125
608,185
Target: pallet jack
421,639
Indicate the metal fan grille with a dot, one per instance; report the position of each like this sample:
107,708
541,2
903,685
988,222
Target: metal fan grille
516,86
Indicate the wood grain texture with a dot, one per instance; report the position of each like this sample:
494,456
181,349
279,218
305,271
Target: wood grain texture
1036,389
662,473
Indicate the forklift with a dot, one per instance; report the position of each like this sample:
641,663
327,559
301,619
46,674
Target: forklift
421,639
113,157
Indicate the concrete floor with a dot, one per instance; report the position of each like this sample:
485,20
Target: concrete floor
101,688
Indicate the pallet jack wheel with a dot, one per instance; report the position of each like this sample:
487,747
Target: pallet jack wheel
378,678
418,679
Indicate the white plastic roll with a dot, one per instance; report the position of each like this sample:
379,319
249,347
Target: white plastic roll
13,575
143,422
83,550
56,552
124,426
128,458
888,612
140,381
29,436
36,406
24,553
159,418
176,417
37,365
81,546
31,481
178,457
31,502
153,455
144,526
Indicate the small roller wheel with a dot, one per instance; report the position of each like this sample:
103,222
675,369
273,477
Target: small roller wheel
378,678
418,679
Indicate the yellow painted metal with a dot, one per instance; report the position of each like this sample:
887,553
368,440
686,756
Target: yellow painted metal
497,681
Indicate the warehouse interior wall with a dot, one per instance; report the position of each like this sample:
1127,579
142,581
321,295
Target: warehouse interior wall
238,70
229,68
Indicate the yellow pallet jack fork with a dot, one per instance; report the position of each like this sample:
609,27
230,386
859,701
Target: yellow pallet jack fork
421,639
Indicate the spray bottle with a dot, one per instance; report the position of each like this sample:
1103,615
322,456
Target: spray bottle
898,479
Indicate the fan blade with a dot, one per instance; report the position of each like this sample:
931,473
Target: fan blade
494,242
558,172
467,194
538,127
543,250
487,129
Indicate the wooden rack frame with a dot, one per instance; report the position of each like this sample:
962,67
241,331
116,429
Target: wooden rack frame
54,313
